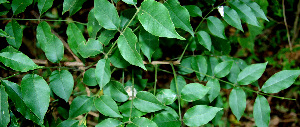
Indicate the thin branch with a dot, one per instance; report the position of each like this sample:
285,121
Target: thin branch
296,30
286,26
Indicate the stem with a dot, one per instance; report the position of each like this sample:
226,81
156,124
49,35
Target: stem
53,20
178,94
137,11
180,58
10,76
155,80
132,95
110,50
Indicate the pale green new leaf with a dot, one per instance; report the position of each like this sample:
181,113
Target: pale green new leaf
194,10
180,84
89,77
244,12
132,2
155,19
19,6
147,102
44,5
193,91
237,102
50,44
80,105
4,113
36,94
72,6
214,90
106,14
232,18
127,44
179,15
261,111
216,27
166,120
91,48
223,68
204,39
61,83
257,10
107,106
14,92
142,122
14,33
149,43
69,123
102,72
200,115
251,73
93,26
199,65
110,122
280,81
75,38
116,91
17,61
166,96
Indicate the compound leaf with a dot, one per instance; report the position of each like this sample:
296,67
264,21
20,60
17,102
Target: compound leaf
93,26
155,19
4,112
75,38
149,43
69,123
180,84
232,18
204,39
110,122
132,2
166,96
91,48
194,10
257,10
214,90
166,120
89,77
244,12
199,65
116,91
142,122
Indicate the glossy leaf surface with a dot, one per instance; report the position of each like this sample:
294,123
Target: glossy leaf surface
166,96
18,8
251,73
204,39
142,121
89,77
244,12
91,48
214,90
193,91
75,37
180,84
93,26
109,123
261,111
232,18
166,120
200,115
106,14
44,5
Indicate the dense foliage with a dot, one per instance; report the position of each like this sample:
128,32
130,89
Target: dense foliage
100,68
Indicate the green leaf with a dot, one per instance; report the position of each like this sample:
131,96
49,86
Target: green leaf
223,68
147,102
107,106
4,34
200,115
80,105
155,19
36,94
91,48
149,43
117,60
102,72
14,92
44,5
132,2
232,18
127,43
214,90
166,96
69,123
237,102
19,6
61,83
106,36
17,61
15,33
194,10
180,84
93,26
185,66
193,91
129,110
106,14
4,113
261,111
116,91
109,123
251,73
216,27
75,37
50,44
211,63
3,1
280,81
179,15
244,12
89,77
142,122
234,72
166,120
199,65
126,17
72,6
204,39
257,10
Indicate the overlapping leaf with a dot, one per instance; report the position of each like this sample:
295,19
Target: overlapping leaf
166,120
214,90
75,37
166,96
117,60
102,72
257,10
132,2
216,27
72,6
89,77
223,68
199,64
106,14
14,33
61,83
127,43
17,61
232,18
69,123
80,105
129,110
93,26
109,123
194,10
91,48
244,12
193,91
155,19
180,84
106,36
116,91
147,102
142,121
107,106
149,43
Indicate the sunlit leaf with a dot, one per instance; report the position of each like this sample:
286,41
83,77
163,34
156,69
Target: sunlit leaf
237,102
200,115
107,106
166,96
132,2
